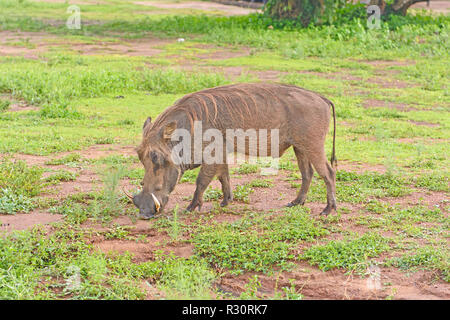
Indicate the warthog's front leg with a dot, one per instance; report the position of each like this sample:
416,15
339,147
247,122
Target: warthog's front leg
206,174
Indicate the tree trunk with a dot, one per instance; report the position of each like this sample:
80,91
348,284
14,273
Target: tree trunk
398,7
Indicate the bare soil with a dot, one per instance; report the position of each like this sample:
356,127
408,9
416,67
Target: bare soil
372,103
435,6
199,5
338,285
33,44
25,221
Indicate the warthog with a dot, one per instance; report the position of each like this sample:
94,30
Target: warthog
301,118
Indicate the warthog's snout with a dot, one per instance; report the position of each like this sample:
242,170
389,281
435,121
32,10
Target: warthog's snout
148,205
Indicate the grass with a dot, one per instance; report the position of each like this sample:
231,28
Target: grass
247,168
52,84
349,254
19,185
11,203
226,247
20,178
242,193
62,176
360,188
428,258
4,105
50,259
261,183
189,176
256,243
187,279
35,266
70,160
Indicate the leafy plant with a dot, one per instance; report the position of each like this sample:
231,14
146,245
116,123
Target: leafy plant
4,105
242,192
427,258
11,203
350,254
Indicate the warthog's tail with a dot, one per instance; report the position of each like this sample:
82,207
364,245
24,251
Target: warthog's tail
333,159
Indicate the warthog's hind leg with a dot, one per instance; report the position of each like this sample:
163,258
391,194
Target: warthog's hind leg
328,175
224,178
307,173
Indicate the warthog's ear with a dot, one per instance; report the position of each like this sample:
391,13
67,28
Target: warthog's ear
169,129
147,122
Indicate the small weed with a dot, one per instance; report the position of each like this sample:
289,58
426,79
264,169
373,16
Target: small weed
288,293
20,179
73,212
70,160
4,105
186,279
118,232
212,194
189,176
242,193
247,168
112,205
11,203
251,289
261,183
61,176
175,229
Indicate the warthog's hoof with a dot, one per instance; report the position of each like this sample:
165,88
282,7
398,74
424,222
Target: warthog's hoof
295,203
328,210
226,201
192,206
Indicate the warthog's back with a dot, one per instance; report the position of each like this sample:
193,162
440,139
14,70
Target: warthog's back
252,105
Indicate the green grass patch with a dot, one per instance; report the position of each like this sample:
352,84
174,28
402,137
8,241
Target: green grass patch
64,266
349,254
256,243
61,176
70,160
428,258
20,178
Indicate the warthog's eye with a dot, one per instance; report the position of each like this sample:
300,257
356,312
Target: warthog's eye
157,159
154,157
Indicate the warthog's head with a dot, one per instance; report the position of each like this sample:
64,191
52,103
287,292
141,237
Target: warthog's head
161,173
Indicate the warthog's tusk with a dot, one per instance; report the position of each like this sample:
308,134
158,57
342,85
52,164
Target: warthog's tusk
157,204
127,194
